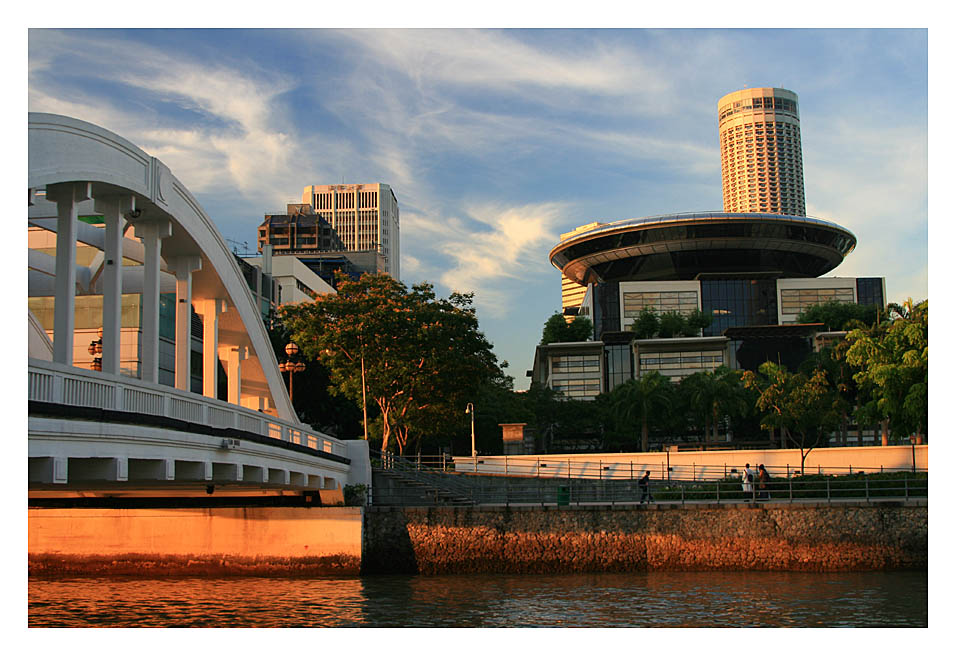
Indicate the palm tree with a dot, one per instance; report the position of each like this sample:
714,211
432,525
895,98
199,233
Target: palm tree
716,394
638,400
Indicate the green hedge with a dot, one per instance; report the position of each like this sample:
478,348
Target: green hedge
887,484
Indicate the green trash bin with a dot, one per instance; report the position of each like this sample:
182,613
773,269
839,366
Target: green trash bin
563,496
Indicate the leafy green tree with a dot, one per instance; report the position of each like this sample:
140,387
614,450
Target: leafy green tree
672,324
639,400
803,407
646,325
697,321
415,356
893,368
557,329
316,402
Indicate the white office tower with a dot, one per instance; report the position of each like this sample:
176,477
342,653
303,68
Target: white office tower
366,217
761,168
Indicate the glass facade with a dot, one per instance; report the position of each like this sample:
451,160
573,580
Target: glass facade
870,292
607,310
739,303
619,365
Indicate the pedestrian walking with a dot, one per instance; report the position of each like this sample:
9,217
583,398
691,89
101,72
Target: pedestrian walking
747,479
763,479
644,486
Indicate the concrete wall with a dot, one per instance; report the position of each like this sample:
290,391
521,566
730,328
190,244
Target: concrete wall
796,537
711,464
209,541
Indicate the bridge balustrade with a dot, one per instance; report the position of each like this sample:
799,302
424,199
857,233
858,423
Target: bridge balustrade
59,384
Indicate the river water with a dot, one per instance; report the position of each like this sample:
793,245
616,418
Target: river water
652,599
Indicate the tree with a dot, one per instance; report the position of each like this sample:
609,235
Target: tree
803,407
670,324
715,395
638,400
415,356
646,324
557,329
316,403
893,367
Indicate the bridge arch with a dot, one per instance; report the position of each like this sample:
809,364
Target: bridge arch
75,166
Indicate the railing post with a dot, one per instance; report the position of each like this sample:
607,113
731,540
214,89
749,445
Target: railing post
827,486
717,491
682,493
790,490
867,492
905,488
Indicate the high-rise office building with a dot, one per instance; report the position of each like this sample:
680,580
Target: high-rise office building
365,217
760,135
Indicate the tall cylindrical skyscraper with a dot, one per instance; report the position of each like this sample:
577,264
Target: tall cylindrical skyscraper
761,167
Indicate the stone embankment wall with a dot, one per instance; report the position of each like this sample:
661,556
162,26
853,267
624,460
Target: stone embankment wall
766,536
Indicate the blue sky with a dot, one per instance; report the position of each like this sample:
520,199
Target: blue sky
497,141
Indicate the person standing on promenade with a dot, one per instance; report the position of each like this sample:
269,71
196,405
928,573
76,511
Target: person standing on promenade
763,479
643,485
747,479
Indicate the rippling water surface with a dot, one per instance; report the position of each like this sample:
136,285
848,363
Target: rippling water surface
892,599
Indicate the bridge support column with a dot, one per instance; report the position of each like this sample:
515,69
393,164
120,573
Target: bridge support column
210,309
114,209
234,358
67,196
183,267
152,231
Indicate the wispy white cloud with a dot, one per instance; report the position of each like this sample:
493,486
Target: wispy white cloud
233,132
496,250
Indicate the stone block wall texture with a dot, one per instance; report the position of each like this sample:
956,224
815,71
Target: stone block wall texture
794,537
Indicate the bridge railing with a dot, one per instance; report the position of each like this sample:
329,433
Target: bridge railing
60,384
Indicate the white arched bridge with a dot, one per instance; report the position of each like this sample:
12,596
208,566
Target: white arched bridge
122,256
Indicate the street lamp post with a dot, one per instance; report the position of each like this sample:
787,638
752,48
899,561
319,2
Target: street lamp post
290,365
96,350
470,410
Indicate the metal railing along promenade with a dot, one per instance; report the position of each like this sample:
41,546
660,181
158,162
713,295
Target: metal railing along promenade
532,491
661,467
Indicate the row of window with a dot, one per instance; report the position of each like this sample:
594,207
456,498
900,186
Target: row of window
763,104
794,302
682,302
573,364
672,362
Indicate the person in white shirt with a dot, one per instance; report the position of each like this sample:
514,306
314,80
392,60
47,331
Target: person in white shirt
747,479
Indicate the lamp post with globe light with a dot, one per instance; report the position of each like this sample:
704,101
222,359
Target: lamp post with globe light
96,350
292,364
